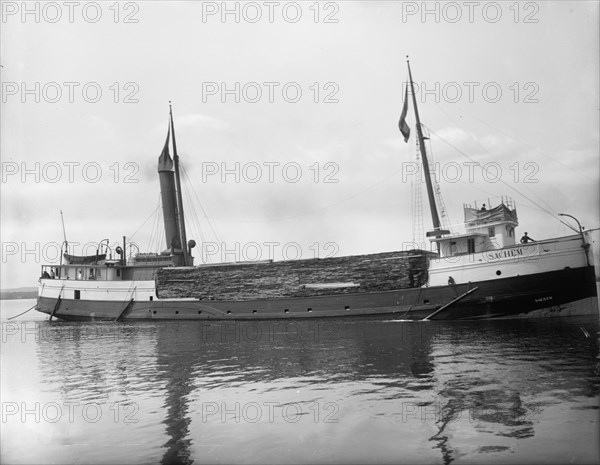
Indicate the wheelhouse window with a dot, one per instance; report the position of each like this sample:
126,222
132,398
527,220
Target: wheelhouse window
452,248
471,245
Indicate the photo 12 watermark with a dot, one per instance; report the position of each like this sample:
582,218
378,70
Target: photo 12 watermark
71,412
269,172
436,411
473,172
69,92
69,12
475,91
25,332
269,412
270,12
223,252
270,92
270,331
516,12
51,252
52,172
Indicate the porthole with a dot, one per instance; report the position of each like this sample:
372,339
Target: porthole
498,272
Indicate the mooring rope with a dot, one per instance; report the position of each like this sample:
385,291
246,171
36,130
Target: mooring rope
12,317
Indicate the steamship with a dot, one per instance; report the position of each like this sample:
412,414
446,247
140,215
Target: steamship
483,273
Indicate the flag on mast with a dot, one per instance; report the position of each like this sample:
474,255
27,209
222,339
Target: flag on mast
404,129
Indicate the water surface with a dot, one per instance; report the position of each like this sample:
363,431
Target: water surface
327,391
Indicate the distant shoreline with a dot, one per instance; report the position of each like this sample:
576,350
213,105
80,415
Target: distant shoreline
18,294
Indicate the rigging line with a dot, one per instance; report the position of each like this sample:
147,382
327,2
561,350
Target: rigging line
488,152
194,220
553,214
192,203
310,212
521,142
548,207
200,203
150,216
155,231
156,239
471,186
445,214
196,225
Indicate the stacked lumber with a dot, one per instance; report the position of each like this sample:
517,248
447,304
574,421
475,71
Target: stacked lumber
296,278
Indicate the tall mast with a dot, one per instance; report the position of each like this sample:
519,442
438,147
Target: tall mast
432,206
64,232
184,246
65,243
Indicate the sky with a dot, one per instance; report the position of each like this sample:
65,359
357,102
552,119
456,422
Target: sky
286,117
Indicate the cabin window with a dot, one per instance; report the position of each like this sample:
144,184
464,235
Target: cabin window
151,298
452,248
118,272
492,231
77,294
471,245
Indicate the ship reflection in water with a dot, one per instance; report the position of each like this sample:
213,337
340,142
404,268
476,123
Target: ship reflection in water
344,391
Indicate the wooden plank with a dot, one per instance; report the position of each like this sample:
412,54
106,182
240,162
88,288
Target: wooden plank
296,278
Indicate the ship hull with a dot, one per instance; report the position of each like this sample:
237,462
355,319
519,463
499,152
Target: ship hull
567,292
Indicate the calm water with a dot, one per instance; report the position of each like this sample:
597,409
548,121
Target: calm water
350,391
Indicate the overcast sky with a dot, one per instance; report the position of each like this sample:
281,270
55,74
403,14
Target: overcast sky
512,86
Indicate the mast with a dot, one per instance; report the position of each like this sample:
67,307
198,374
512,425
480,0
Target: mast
64,232
432,206
65,243
184,245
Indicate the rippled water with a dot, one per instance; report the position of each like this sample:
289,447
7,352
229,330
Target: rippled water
329,391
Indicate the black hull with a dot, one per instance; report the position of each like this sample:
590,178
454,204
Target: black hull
565,292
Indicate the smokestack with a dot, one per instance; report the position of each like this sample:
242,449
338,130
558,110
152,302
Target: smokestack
169,198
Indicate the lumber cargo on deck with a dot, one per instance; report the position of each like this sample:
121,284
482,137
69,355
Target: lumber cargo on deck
296,278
